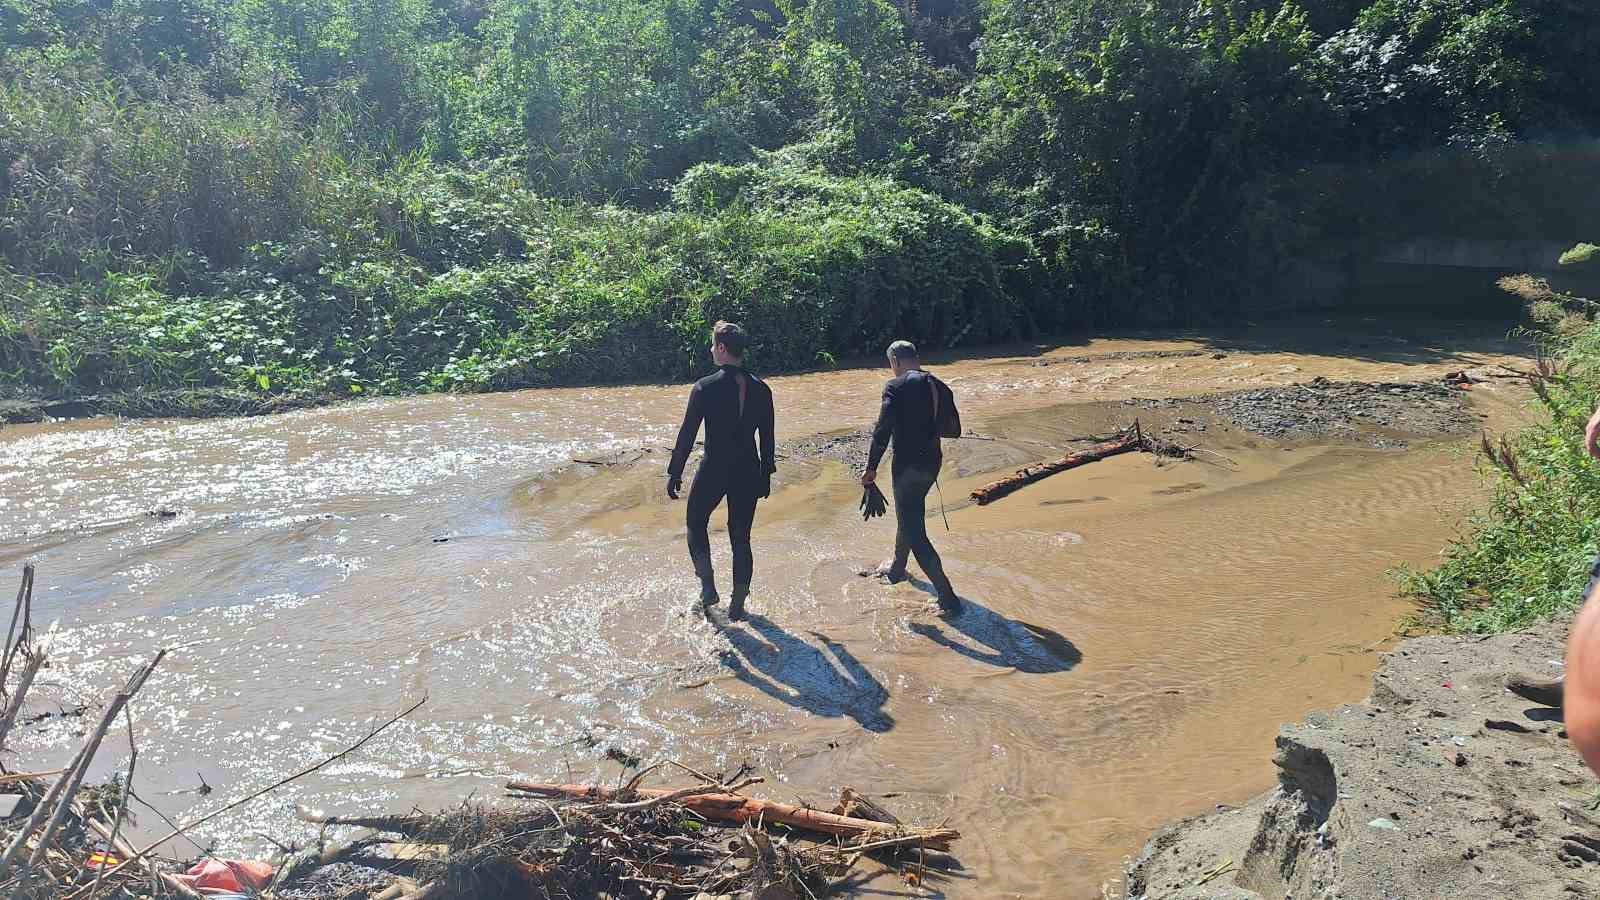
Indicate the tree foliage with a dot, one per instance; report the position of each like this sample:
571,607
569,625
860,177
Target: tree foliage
1090,161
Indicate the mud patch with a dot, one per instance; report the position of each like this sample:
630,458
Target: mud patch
848,447
1349,410
1377,414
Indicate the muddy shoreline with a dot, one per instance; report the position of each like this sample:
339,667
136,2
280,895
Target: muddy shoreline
200,403
1441,784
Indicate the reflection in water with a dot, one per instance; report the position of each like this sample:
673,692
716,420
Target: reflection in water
788,669
306,588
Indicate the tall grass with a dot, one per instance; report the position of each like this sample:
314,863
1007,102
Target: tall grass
1526,557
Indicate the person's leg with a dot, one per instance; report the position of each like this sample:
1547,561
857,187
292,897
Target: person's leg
741,518
911,515
704,495
895,569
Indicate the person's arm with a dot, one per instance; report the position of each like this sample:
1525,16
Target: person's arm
769,447
1581,692
692,417
881,433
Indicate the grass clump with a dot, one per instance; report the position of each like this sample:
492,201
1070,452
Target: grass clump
1527,556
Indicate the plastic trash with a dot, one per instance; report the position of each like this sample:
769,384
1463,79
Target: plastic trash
227,876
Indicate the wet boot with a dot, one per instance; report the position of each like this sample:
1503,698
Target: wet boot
889,572
736,602
1544,693
708,580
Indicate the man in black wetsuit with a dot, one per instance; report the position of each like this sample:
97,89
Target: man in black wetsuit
734,405
909,416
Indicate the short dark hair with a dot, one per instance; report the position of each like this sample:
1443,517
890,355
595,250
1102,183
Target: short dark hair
902,351
730,336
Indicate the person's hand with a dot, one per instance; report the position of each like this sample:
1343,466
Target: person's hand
1591,435
869,477
766,486
674,486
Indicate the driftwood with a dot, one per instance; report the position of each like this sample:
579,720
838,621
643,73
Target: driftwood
20,644
734,808
1128,441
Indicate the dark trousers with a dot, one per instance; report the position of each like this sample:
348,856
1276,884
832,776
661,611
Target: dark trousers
911,486
711,485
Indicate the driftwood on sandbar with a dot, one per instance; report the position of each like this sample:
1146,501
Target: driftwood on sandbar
1128,441
736,808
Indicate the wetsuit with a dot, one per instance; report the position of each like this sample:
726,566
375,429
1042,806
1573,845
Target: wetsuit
734,405
907,416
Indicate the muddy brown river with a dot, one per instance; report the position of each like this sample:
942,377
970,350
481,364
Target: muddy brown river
1136,630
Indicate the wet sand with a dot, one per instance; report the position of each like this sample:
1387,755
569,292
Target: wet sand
1135,634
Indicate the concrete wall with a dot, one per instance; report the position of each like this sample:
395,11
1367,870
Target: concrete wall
1472,253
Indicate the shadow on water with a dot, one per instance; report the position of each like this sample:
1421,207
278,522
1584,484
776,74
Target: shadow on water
981,634
788,669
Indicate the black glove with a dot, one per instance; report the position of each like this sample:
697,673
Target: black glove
766,486
674,485
873,503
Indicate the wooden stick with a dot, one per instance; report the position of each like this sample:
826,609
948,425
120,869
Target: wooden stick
23,612
121,845
1130,440
36,654
40,810
122,808
92,746
18,777
674,796
182,829
726,807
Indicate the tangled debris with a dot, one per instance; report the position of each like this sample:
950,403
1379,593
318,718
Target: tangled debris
62,839
628,843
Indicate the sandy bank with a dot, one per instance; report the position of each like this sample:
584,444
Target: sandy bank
1443,784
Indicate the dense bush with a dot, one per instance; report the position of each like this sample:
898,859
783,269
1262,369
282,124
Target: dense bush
453,281
426,194
1528,555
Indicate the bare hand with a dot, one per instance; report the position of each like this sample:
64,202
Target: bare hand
869,477
1591,435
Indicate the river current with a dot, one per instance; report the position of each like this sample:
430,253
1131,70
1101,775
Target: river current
1135,631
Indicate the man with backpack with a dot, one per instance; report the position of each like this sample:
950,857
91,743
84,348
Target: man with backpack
917,410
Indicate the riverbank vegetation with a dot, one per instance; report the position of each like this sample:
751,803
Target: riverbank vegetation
1528,555
334,197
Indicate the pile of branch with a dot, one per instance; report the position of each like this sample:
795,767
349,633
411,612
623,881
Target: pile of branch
1127,440
54,838
624,843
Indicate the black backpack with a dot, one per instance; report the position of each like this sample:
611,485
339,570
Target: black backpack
946,418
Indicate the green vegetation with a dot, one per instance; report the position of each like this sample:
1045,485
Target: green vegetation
1528,556
326,197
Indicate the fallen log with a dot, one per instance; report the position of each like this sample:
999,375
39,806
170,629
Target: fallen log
725,807
1132,439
